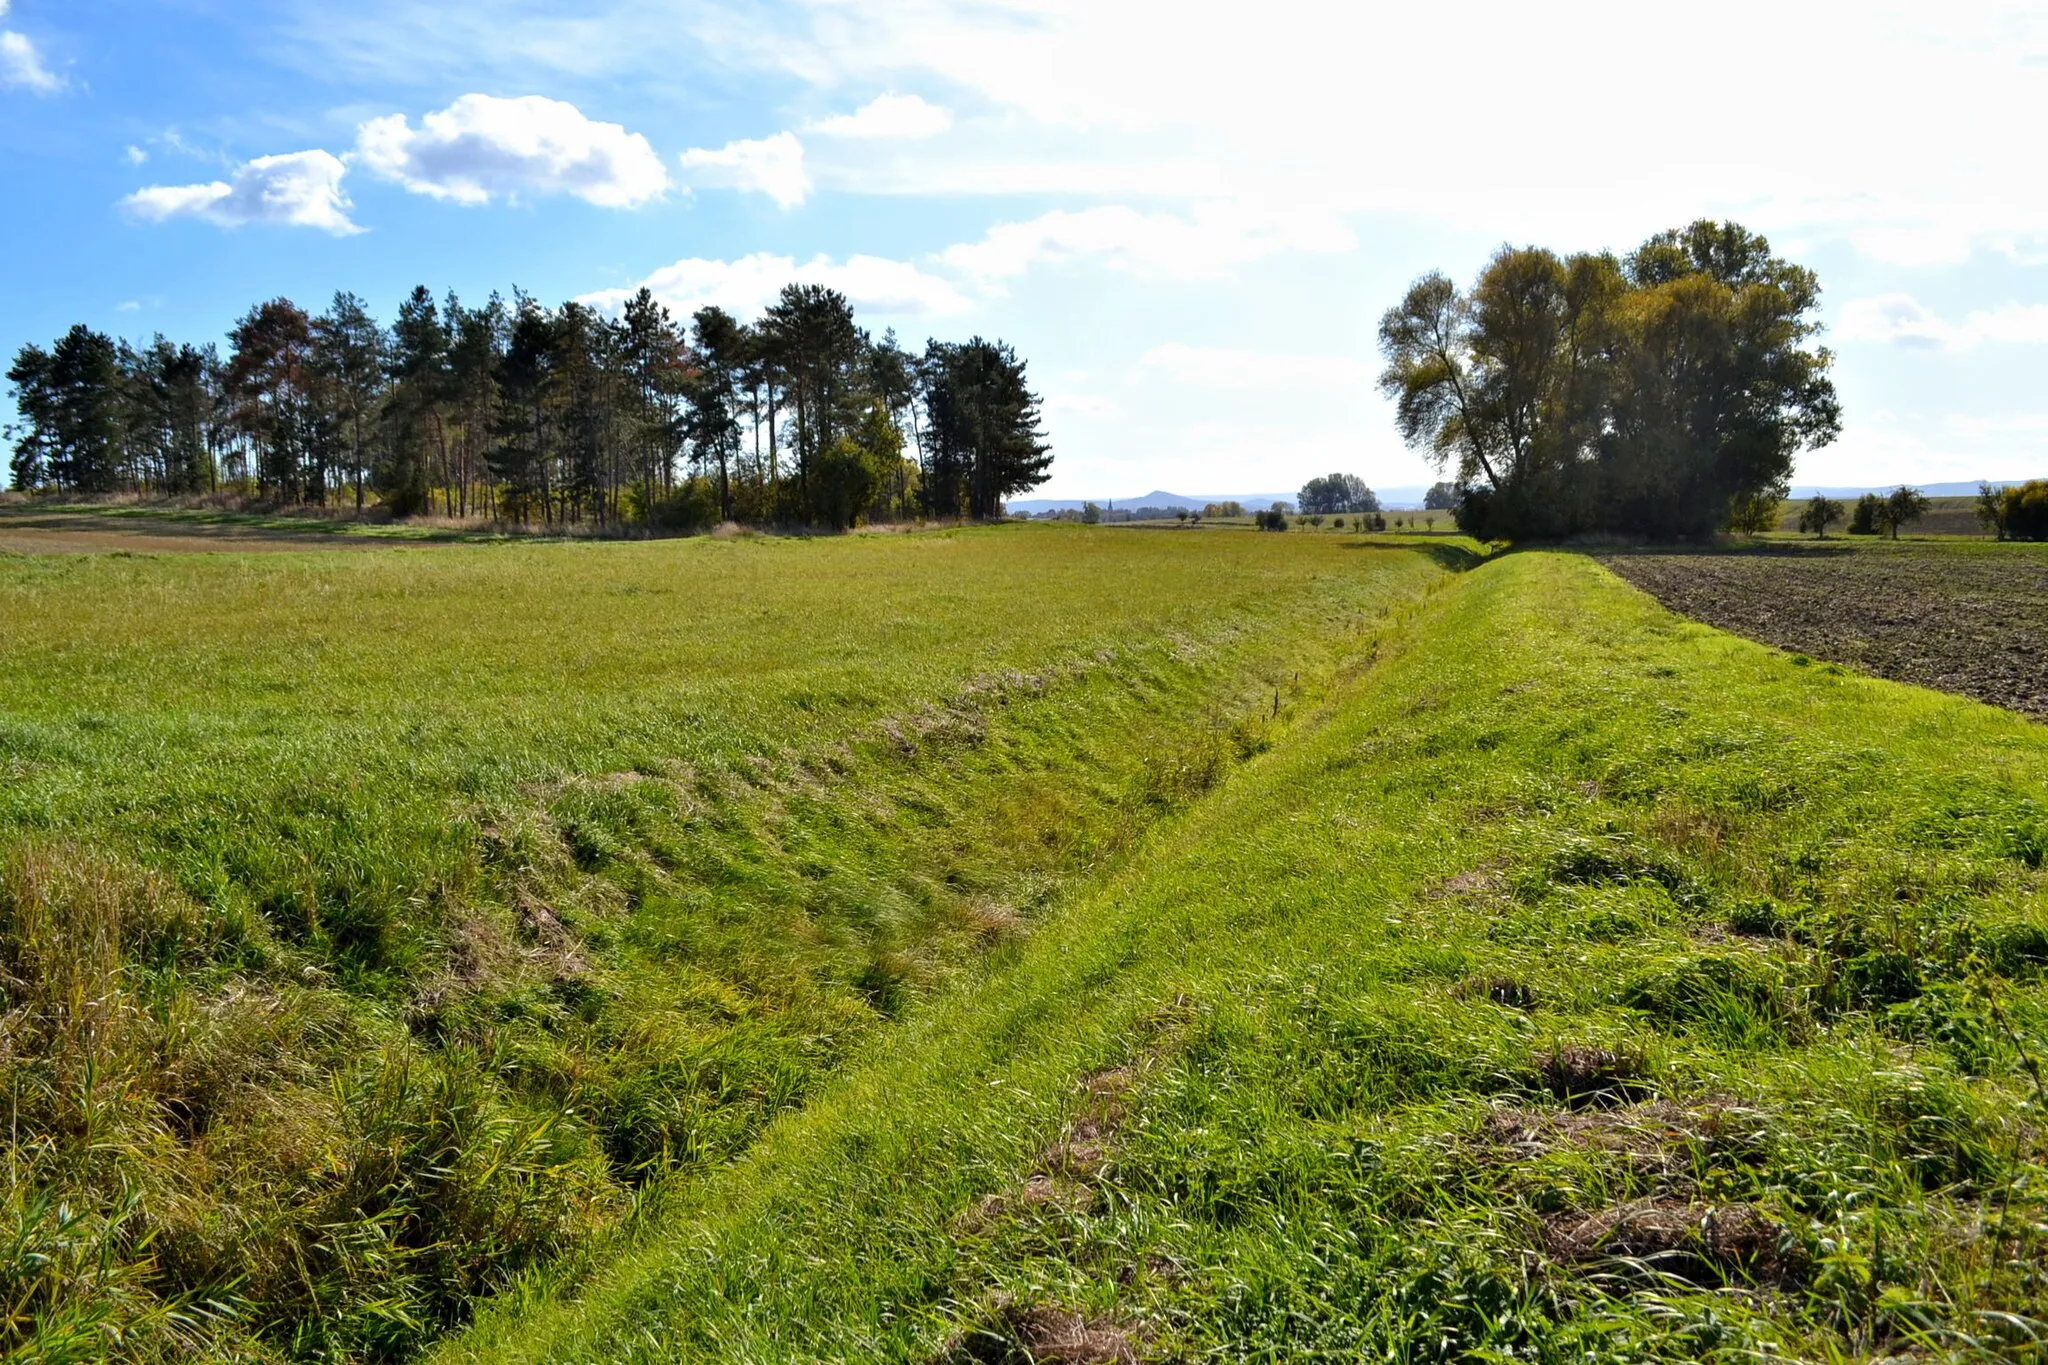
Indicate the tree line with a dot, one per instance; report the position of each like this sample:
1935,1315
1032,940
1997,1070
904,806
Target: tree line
533,414
1664,393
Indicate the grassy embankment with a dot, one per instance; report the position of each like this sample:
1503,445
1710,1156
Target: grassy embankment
1589,984
376,926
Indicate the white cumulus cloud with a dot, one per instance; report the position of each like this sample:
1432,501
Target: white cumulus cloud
773,166
299,189
21,64
888,116
747,285
482,146
1902,320
1208,243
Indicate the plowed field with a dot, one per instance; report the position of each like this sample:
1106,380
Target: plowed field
1966,619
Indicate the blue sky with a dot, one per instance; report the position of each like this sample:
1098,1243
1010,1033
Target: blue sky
1187,216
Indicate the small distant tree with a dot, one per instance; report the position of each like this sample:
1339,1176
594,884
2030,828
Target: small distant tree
1901,507
1336,523
1180,514
1379,522
1090,513
2026,510
1991,510
1273,519
1865,520
1429,523
1338,493
1820,513
1752,514
1314,519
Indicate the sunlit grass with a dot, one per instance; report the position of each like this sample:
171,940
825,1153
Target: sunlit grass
1588,985
380,926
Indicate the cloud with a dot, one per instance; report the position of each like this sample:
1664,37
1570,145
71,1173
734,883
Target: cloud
1901,320
1162,244
481,147
1211,367
773,166
134,155
887,116
21,64
1928,108
745,286
300,189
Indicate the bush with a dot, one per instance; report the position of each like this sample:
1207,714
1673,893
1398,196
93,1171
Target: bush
2017,513
1868,516
690,506
1271,521
1752,514
1820,513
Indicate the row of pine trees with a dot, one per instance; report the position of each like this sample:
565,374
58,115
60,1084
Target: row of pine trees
535,415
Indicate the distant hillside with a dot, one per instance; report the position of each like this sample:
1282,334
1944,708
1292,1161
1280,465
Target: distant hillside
1932,490
1410,496
1402,497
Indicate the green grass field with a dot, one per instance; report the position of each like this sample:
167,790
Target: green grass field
378,924
1032,943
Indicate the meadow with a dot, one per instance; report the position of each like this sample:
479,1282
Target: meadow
378,924
1020,943
1582,983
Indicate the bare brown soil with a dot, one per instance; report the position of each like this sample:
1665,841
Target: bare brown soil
26,530
1968,619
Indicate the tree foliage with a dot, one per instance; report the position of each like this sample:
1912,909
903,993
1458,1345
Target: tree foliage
1585,393
1820,513
2019,512
1337,493
563,415
1901,507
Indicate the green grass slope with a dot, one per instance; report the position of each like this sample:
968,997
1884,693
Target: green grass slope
378,926
1587,985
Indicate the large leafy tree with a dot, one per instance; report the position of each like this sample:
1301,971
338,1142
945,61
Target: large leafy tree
1583,393
1716,383
1337,493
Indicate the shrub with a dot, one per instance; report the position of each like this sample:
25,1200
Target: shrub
2016,513
1820,513
1868,516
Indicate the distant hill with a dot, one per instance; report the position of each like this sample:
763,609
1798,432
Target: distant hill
1407,497
1932,490
1391,498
